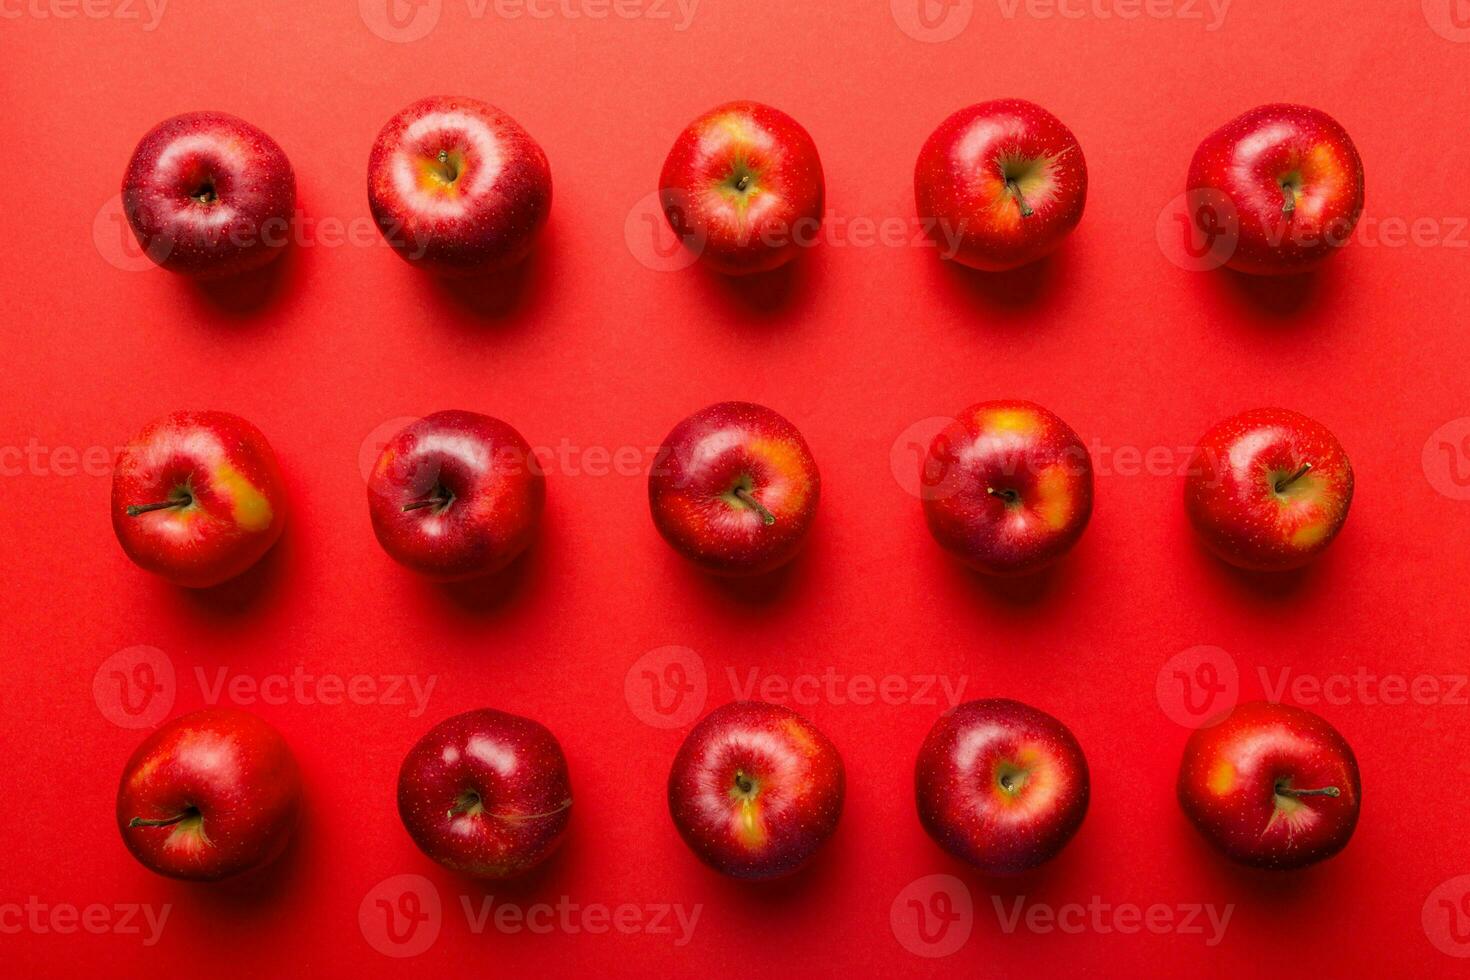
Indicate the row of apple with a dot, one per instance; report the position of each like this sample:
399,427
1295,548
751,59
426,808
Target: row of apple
458,188
1007,486
754,790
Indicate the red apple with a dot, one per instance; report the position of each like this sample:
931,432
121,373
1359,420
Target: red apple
743,188
1000,183
1268,489
208,795
1007,487
755,790
486,793
1271,786
197,497
1294,182
456,495
457,187
209,195
1001,785
734,489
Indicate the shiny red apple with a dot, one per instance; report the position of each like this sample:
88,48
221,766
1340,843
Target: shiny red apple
756,789
1268,489
1271,786
208,795
1007,487
1294,185
1000,184
456,495
457,187
743,187
734,489
209,195
1001,785
197,497
486,793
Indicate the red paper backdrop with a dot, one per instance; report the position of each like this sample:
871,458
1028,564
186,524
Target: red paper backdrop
595,351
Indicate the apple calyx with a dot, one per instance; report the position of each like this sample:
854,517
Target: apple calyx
744,785
747,498
183,500
205,193
1285,482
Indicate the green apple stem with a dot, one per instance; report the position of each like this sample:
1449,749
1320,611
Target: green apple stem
1007,494
1332,791
1288,481
1015,190
137,509
747,498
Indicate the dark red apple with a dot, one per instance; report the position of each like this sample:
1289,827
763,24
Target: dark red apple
755,790
486,793
197,497
743,187
457,187
1294,182
208,795
1000,184
734,489
1007,487
1001,785
1271,786
1268,489
209,195
456,495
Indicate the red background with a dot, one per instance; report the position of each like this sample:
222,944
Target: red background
854,345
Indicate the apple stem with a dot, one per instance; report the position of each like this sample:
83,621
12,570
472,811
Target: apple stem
447,171
1008,495
1288,203
1015,190
426,502
167,822
137,509
1332,791
1283,484
743,182
743,783
747,498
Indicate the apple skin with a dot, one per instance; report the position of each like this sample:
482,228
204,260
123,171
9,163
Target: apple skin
209,195
1237,778
486,793
209,795
1255,158
1006,178
1001,785
1007,487
197,497
743,185
457,187
490,489
755,790
734,489
1232,495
